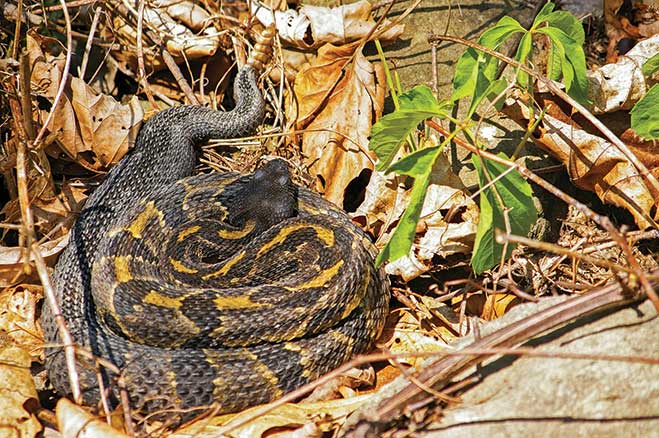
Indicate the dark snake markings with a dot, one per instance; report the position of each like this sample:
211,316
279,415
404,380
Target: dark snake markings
219,288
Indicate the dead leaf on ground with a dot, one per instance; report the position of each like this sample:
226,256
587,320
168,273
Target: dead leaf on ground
14,271
93,129
50,212
17,392
339,96
628,21
316,417
487,307
620,85
597,165
75,422
18,318
312,26
187,29
447,226
415,332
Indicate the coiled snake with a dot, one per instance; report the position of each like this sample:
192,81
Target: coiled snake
220,289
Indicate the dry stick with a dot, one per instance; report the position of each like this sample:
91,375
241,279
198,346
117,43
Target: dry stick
125,12
468,353
90,41
602,221
26,213
440,372
551,86
549,247
140,58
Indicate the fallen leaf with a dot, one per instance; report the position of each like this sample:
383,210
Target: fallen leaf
620,85
340,96
597,165
313,26
91,128
13,269
18,318
316,416
17,392
75,422
186,28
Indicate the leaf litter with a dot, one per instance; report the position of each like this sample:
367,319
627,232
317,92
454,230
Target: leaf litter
335,96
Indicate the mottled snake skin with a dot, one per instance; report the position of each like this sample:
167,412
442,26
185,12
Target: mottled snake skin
226,373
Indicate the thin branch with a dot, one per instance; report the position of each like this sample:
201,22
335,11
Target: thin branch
602,221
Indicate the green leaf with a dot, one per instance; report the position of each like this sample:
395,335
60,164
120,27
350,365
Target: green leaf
573,62
475,70
516,195
388,134
543,14
418,165
522,54
569,24
645,117
651,65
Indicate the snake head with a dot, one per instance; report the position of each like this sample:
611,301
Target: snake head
267,197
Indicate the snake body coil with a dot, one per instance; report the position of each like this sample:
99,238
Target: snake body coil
220,289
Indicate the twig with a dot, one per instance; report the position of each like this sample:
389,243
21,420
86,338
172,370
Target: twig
440,372
551,86
602,221
502,237
142,78
90,41
124,9
64,79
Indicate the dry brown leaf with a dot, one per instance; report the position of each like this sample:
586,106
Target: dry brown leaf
447,226
91,128
407,332
17,392
313,26
75,422
620,85
57,211
487,307
340,96
14,271
595,164
317,417
186,27
18,318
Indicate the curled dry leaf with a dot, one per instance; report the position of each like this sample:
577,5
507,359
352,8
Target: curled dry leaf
289,418
487,307
187,27
313,26
13,269
75,422
17,392
620,85
595,164
448,223
340,96
18,309
423,331
50,212
91,128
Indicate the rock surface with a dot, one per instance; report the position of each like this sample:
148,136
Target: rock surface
568,397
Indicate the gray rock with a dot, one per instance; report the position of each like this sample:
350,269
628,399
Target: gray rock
569,397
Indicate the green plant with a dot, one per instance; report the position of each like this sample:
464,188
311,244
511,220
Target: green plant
645,117
505,197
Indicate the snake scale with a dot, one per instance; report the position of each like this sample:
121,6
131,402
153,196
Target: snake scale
216,289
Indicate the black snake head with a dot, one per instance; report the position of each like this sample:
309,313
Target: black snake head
267,197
